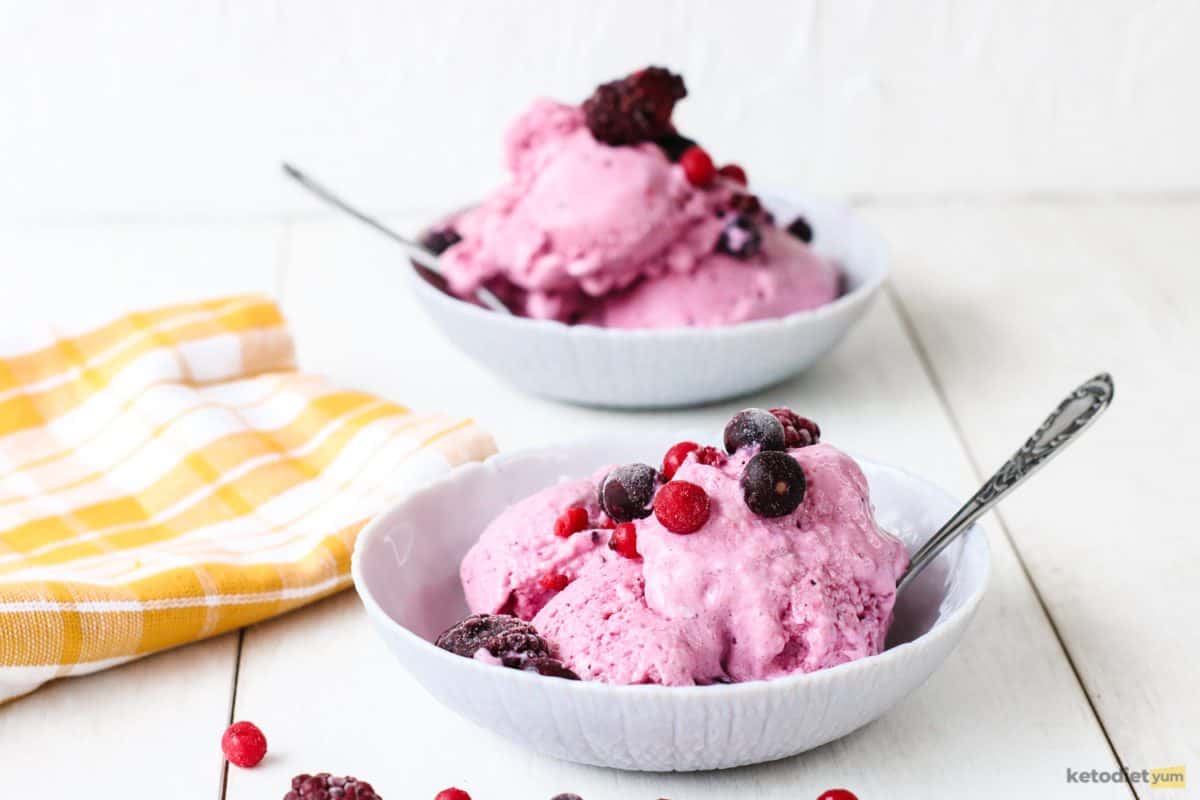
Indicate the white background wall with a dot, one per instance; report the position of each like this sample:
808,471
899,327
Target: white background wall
183,109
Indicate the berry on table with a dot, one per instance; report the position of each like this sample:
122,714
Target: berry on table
324,786
675,456
697,166
566,796
573,520
682,507
627,492
773,484
754,426
554,581
734,173
453,793
244,744
798,431
800,228
624,540
838,794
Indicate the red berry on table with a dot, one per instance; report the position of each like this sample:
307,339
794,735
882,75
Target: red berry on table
554,581
244,744
452,794
734,173
624,540
682,507
573,520
675,456
838,794
698,166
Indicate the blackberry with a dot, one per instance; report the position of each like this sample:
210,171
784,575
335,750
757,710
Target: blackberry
800,228
741,237
515,642
508,638
674,146
754,426
798,431
324,786
440,240
635,109
747,204
773,484
627,492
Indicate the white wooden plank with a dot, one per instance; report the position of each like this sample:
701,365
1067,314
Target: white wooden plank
1004,717
186,109
1015,304
151,728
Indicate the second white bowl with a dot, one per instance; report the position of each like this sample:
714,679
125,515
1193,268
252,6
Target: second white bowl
677,366
405,568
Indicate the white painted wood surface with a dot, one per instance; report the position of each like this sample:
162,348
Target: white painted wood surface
155,110
1011,304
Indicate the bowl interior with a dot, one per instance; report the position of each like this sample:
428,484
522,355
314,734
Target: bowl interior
407,561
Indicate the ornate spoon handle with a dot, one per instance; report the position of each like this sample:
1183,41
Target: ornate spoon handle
1073,414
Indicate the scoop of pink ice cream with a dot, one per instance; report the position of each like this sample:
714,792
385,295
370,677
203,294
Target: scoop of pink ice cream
617,236
744,598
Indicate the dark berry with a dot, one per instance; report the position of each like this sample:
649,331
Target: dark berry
711,456
550,667
504,636
734,173
624,540
627,492
674,146
698,166
324,786
800,228
798,431
453,793
747,204
635,109
675,456
566,796
838,794
244,744
440,240
573,520
554,581
682,507
740,238
754,426
773,484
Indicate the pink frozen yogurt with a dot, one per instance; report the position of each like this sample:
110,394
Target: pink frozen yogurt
746,597
620,236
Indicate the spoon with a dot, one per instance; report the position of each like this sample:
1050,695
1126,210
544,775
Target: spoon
415,251
1079,410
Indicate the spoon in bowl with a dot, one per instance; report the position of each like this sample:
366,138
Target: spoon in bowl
415,251
1075,413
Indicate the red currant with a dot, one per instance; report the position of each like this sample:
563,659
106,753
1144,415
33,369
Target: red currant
682,507
698,166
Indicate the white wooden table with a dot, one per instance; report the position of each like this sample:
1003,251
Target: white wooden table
1084,654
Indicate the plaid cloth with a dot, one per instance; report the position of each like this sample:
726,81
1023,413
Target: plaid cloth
169,476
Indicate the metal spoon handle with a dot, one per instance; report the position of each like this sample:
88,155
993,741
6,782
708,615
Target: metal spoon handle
1062,427
414,250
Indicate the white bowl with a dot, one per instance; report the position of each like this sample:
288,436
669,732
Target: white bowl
405,568
677,366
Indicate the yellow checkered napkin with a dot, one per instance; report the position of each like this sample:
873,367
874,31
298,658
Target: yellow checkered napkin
169,476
